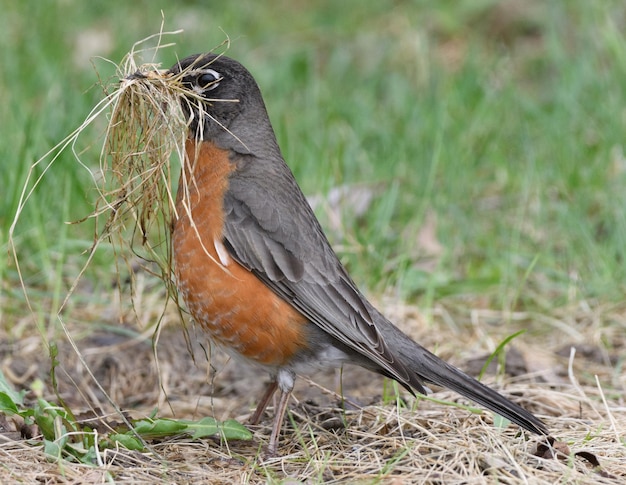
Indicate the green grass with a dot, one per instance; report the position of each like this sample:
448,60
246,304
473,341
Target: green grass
507,129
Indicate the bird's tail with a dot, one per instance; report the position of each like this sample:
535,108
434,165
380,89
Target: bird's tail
430,368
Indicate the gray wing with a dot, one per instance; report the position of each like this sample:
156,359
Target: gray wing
271,230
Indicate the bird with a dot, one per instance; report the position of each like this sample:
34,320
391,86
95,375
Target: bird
255,269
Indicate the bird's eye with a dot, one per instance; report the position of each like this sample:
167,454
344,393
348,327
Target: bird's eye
208,80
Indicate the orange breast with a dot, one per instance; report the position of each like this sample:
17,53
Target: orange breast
226,299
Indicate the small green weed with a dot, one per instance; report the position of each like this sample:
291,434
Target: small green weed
65,437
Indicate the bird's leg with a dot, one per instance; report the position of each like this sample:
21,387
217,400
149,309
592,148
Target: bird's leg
279,414
267,395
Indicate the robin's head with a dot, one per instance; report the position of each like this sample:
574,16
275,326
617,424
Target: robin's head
221,92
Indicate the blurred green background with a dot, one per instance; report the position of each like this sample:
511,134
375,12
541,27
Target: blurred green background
490,134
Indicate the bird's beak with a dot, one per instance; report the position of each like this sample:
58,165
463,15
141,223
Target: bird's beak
136,75
155,74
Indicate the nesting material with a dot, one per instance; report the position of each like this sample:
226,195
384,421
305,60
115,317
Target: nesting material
143,153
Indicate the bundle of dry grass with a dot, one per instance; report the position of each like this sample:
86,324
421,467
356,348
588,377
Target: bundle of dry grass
142,154
144,140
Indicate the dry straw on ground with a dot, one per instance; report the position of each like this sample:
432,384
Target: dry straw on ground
411,441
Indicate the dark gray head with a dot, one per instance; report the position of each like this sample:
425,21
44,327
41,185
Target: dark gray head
229,108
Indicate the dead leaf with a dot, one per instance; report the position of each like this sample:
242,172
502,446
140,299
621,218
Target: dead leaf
354,200
553,450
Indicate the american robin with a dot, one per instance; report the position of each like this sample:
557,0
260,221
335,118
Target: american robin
255,269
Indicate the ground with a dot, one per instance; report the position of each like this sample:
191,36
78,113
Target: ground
342,426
